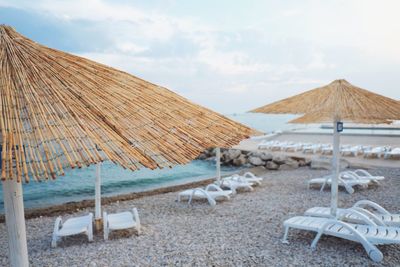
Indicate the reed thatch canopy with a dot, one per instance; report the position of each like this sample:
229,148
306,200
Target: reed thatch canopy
340,100
59,110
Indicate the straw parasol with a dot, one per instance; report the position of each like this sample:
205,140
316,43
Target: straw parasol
338,101
62,111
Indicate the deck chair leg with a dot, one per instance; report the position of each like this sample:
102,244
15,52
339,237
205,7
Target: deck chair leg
284,240
54,241
322,187
90,233
316,239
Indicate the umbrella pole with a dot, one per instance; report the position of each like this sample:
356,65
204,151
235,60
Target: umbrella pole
15,221
336,167
98,219
218,160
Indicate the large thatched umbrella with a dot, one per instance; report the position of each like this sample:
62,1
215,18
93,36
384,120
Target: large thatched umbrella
339,102
62,111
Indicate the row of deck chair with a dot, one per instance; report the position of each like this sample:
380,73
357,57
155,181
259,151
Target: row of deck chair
348,180
84,225
221,190
345,150
366,222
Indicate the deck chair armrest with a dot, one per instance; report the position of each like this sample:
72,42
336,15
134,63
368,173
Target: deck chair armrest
372,251
363,172
352,211
366,203
375,218
213,186
348,187
249,174
202,191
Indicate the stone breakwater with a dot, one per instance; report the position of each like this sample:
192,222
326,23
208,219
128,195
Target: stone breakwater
241,158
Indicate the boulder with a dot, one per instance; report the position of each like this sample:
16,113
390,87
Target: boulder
202,156
325,163
211,152
270,165
289,165
302,163
266,156
294,164
232,154
255,154
256,161
240,161
279,159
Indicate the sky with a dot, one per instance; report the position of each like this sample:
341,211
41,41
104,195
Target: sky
230,56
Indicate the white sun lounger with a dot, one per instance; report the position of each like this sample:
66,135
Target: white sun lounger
369,234
375,152
279,145
212,193
314,148
374,211
120,221
73,226
347,182
328,149
251,178
393,153
235,182
293,147
352,151
362,175
266,144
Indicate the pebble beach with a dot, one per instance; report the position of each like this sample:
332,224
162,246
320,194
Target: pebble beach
244,231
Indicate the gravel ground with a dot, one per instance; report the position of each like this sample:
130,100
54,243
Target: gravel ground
244,231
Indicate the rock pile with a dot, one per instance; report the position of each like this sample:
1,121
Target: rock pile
235,157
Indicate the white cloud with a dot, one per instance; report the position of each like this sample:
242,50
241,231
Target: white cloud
291,46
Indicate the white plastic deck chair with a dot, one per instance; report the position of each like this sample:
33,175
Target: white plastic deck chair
120,221
395,152
293,147
369,208
375,152
211,193
347,182
352,151
251,178
235,182
264,144
327,149
368,234
278,145
363,175
73,226
314,148
267,144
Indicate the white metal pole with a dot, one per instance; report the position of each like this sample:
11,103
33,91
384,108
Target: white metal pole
335,168
98,192
15,221
218,160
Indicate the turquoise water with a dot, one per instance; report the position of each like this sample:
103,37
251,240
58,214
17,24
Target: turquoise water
78,184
